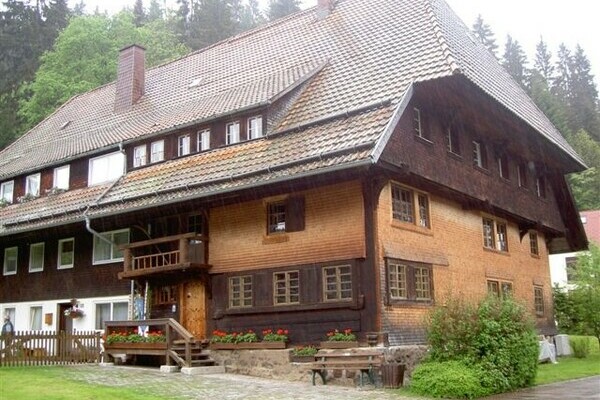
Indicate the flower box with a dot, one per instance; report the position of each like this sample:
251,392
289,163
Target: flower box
338,344
247,346
134,345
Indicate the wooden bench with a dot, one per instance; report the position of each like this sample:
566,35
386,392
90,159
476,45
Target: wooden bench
350,360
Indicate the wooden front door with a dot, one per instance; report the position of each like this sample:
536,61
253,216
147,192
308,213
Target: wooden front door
193,308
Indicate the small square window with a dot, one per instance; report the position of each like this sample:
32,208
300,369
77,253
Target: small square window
36,257
204,140
255,127
157,151
11,255
501,289
66,253
139,156
61,177
183,145
6,191
32,185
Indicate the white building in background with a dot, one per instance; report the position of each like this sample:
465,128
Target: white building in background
560,262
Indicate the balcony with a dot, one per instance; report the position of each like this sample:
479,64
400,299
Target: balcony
165,255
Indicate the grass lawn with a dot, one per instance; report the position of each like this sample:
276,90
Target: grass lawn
571,367
52,383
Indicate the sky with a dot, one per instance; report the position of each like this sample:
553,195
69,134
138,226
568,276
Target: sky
557,21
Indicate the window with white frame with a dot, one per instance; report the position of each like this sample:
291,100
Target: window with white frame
503,169
106,168
66,253
203,140
540,187
61,177
495,235
36,257
114,311
232,133
479,159
106,251
240,291
35,318
11,255
32,185
157,151
410,206
255,127
452,143
286,287
522,175
6,191
139,156
337,283
183,145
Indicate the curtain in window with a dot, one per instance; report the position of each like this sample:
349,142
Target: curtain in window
120,311
35,322
102,314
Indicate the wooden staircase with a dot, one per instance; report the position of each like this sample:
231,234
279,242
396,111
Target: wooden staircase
198,356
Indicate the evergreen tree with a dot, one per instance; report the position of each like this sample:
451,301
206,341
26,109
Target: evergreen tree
543,61
583,95
155,11
251,16
562,79
483,32
585,184
79,9
139,15
182,19
281,8
514,60
547,102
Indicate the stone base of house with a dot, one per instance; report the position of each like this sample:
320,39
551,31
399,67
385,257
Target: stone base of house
276,364
169,369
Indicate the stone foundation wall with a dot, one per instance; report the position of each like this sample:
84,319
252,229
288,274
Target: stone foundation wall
276,364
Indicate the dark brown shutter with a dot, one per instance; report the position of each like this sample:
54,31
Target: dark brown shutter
294,214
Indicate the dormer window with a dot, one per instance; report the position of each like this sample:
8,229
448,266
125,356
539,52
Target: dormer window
233,133
61,177
157,151
6,191
255,127
32,185
139,156
203,140
106,168
183,145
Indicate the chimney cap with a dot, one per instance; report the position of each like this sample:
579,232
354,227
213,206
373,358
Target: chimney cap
132,45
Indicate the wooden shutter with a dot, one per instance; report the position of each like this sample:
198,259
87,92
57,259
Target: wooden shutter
294,214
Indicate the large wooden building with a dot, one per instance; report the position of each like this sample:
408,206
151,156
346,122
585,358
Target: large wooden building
348,166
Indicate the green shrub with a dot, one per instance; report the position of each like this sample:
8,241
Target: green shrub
580,346
447,379
497,339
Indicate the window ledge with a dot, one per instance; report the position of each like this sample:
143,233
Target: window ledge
423,140
276,238
483,170
410,304
535,256
499,252
454,155
411,227
353,305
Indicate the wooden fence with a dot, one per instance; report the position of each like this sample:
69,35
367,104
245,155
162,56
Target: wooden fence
49,348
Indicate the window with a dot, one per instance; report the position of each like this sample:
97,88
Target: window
538,300
494,234
139,156
240,291
11,312
32,185
61,177
285,215
36,257
35,318
183,145
6,191
479,159
66,253
403,206
157,151
233,133
255,127
409,281
106,168
540,187
417,126
106,251
499,288
10,260
203,140
195,223
452,142
522,175
276,217
286,288
533,244
337,283
165,295
117,311
571,266
503,166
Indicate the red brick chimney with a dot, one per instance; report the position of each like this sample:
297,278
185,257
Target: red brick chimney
130,77
324,8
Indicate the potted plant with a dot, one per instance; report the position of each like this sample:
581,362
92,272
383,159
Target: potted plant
74,312
337,339
132,339
303,353
280,335
222,340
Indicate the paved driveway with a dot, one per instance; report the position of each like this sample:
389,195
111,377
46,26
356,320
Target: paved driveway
586,388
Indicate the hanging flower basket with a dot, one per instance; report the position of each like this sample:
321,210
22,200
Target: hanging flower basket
74,312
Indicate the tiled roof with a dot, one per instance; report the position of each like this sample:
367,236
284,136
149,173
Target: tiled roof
364,53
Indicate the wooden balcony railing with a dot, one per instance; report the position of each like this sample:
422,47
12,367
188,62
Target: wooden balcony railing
163,255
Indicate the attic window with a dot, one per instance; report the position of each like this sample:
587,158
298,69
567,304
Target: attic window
63,126
195,82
